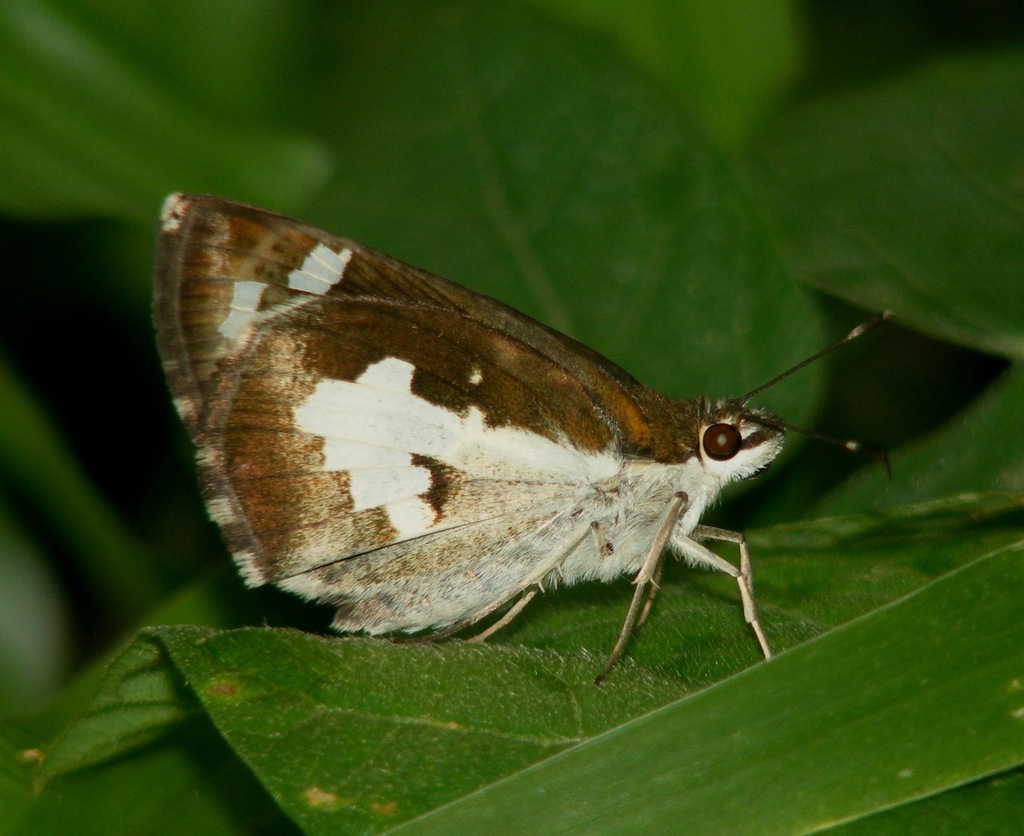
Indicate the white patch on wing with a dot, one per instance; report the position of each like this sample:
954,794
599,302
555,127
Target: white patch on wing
321,270
374,425
475,376
379,486
245,305
173,212
410,515
390,373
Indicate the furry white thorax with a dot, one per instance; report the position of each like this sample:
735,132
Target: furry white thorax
629,508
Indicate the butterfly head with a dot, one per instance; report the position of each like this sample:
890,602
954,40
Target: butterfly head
736,441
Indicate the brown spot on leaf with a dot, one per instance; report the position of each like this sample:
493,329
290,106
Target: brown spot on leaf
31,757
320,799
379,809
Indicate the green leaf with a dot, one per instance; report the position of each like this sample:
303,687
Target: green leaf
908,197
144,758
362,734
867,718
190,783
34,634
995,805
728,61
15,777
139,699
88,128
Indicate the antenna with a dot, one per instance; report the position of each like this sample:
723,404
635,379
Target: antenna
860,330
858,447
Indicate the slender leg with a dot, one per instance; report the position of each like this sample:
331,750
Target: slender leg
536,581
440,635
513,611
744,576
646,611
644,581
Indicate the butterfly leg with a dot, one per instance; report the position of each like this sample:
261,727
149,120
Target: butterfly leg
652,591
646,580
529,588
744,576
605,548
528,595
512,612
440,635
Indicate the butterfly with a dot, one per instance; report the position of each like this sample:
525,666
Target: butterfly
417,454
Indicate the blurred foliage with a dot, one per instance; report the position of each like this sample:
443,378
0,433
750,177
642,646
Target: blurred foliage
705,192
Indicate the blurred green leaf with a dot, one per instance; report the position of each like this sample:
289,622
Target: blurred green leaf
189,783
15,778
87,129
241,57
729,62
909,196
34,633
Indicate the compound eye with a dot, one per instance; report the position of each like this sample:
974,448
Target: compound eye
722,441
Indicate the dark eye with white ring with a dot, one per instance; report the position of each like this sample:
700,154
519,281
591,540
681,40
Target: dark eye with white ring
722,441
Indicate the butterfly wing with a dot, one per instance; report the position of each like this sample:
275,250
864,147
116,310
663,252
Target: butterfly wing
372,435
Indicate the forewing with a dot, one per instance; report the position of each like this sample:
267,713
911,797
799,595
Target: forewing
368,431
